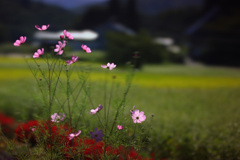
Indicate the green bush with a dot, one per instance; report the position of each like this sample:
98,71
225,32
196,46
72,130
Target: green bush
121,47
9,48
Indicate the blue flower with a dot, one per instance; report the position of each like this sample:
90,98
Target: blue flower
97,135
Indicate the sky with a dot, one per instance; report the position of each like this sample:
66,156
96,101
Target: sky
68,4
144,6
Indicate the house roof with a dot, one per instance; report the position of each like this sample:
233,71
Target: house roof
114,26
203,20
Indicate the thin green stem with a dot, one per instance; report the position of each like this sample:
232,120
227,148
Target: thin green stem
123,101
58,78
105,98
40,70
109,102
90,99
68,99
35,76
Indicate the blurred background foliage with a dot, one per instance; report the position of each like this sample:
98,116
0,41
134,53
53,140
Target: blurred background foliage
204,30
196,107
119,46
20,16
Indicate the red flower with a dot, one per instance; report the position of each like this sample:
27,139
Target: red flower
129,154
4,120
93,149
87,148
24,131
56,135
7,125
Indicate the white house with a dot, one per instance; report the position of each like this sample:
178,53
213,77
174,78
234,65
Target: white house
47,37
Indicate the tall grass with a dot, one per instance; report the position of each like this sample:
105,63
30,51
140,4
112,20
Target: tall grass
195,109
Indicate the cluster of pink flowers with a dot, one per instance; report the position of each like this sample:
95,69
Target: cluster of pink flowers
137,116
57,117
59,47
64,135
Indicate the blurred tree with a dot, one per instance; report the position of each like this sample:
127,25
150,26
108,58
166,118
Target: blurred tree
122,47
3,33
91,18
114,9
25,3
18,18
131,15
97,15
216,40
223,4
172,22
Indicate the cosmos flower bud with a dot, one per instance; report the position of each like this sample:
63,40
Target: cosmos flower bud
61,37
120,127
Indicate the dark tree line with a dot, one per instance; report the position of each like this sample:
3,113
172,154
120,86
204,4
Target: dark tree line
117,11
18,17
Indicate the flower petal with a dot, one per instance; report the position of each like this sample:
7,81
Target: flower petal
103,66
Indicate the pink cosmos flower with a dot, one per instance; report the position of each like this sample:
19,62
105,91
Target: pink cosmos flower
110,66
97,135
72,135
67,35
138,117
57,117
86,48
38,53
59,47
74,59
120,127
43,28
33,129
94,111
20,41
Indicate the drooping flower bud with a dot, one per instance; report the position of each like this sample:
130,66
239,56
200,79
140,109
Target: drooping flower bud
61,37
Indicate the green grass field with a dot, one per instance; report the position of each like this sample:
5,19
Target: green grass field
196,109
